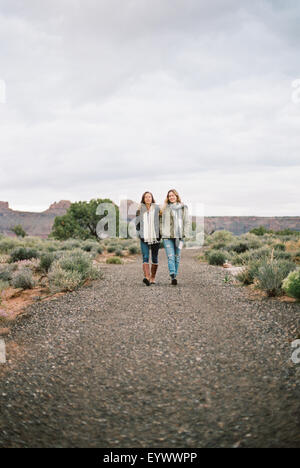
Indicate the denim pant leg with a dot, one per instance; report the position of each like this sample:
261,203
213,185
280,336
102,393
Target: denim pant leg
169,246
145,251
154,253
177,255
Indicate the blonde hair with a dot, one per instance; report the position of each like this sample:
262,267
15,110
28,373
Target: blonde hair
167,198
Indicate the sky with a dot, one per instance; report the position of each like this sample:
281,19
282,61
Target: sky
110,98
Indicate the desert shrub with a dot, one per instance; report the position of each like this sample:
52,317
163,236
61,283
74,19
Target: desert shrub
244,277
3,285
288,234
65,247
253,241
6,245
58,254
125,243
220,236
218,246
250,271
291,284
4,258
32,242
119,253
238,247
259,231
88,247
268,241
70,270
105,241
287,239
114,241
50,248
216,257
133,249
63,280
6,273
94,273
296,254
23,253
111,248
114,260
99,250
255,254
201,258
71,244
46,261
76,260
33,264
271,275
23,279
279,255
279,246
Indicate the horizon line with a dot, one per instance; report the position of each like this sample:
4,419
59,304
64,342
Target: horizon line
205,215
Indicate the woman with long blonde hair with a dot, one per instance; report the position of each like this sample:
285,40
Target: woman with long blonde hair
174,229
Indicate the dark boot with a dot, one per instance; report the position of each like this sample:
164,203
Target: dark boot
146,270
174,280
154,267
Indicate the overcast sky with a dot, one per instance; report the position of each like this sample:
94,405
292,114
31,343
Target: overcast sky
109,98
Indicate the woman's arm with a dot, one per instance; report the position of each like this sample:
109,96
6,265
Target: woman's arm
160,217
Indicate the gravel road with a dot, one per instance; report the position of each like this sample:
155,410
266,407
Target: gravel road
120,364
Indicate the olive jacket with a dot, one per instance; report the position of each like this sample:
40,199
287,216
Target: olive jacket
175,222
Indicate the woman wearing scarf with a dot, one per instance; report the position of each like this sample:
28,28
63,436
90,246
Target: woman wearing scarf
174,229
147,225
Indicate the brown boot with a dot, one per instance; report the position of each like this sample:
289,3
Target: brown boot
154,267
146,270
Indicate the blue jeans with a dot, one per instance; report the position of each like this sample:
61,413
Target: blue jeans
146,248
173,254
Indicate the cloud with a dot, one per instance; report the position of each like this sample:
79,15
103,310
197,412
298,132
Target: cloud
116,96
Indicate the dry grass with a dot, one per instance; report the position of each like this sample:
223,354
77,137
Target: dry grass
292,246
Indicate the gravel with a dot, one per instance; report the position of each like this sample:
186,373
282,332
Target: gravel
120,364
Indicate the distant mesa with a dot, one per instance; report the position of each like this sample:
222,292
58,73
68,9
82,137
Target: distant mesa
34,224
59,208
40,224
4,207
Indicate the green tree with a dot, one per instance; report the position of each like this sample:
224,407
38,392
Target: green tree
287,232
260,231
18,230
80,221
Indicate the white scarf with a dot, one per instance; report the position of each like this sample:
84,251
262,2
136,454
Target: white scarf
149,228
176,210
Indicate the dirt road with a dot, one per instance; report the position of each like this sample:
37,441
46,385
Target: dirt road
120,364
